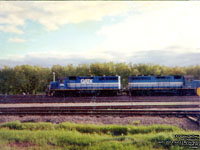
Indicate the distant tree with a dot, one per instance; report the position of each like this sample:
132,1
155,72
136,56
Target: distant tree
34,79
96,69
82,70
123,70
7,80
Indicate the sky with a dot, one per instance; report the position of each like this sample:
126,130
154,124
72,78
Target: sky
76,32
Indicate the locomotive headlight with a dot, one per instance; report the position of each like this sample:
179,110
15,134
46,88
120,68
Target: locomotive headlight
198,91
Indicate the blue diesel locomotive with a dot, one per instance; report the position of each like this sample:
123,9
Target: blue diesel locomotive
85,86
163,85
111,86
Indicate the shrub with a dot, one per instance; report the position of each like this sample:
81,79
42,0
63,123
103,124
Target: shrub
38,126
152,128
12,125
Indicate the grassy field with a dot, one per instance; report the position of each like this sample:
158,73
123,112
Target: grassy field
71,136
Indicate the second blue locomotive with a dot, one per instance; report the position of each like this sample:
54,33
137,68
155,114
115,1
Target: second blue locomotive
163,85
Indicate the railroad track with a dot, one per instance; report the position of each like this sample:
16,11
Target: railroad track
95,112
194,118
191,111
45,99
104,110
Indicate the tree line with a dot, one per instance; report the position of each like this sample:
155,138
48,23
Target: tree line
34,79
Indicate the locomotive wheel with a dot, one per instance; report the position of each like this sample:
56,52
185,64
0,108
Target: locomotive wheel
198,91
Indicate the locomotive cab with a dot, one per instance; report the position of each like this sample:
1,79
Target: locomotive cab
62,84
188,81
192,85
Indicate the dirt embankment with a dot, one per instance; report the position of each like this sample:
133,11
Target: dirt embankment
183,123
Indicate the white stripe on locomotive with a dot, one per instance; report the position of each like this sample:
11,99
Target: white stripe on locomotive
156,84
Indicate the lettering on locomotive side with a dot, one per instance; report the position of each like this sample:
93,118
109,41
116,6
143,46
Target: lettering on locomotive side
86,81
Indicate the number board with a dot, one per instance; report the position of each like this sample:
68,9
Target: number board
86,81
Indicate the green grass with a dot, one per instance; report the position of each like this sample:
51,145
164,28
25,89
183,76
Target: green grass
71,136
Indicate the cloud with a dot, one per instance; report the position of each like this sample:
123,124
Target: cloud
12,19
16,40
52,15
150,32
165,57
11,29
161,57
177,25
48,59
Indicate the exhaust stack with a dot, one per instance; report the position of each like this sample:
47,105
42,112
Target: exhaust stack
54,77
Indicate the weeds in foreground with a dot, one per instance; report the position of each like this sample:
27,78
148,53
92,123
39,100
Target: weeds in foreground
90,137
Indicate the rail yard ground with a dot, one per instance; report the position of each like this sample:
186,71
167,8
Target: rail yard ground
106,123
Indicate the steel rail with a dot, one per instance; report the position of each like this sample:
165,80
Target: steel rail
104,112
97,110
101,107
